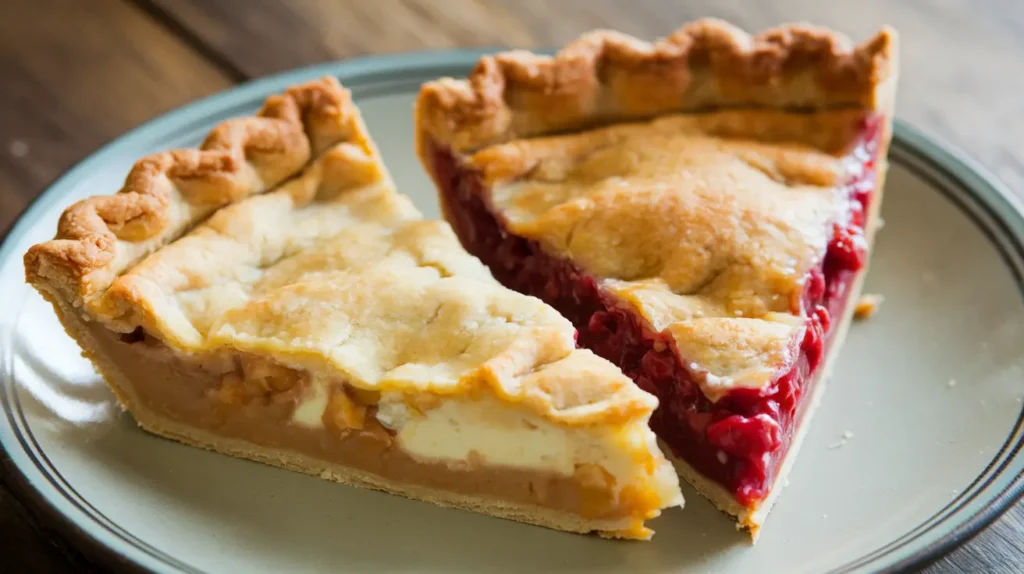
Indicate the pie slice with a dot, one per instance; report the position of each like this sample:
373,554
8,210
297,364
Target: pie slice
700,208
324,327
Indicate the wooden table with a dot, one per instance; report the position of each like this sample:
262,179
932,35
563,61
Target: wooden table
77,73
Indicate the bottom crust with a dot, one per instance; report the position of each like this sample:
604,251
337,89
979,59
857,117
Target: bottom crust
749,519
354,477
95,344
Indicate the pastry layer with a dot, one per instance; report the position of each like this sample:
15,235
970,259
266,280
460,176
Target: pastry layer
354,284
709,239
712,239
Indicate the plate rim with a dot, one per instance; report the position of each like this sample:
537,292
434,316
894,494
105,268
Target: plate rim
990,193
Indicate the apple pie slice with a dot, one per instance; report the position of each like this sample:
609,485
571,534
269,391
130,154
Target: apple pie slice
700,208
271,296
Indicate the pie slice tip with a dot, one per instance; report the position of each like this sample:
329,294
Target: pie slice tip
701,208
271,296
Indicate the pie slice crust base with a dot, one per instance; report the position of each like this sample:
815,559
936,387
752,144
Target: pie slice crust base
271,296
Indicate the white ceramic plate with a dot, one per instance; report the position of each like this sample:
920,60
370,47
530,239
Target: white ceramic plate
931,389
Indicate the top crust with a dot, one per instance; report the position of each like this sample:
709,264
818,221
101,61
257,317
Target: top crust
607,76
168,192
328,270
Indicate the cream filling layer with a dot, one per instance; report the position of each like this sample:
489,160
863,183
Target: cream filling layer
485,430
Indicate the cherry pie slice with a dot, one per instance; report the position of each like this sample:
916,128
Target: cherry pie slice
271,296
700,208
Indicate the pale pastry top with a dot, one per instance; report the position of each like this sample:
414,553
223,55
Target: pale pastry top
301,250
348,282
710,238
678,221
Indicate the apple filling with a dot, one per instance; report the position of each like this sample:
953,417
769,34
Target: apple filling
738,440
394,437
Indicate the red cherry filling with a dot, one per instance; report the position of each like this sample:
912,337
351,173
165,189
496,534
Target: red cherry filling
745,437
740,440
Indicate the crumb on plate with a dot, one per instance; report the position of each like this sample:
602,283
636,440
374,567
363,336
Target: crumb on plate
847,435
867,305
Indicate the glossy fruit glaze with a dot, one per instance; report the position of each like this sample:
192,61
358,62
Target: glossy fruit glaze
740,440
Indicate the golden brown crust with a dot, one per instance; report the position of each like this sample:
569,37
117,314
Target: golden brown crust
709,239
607,76
334,258
712,217
165,193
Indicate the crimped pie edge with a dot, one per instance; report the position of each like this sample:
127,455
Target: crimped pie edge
167,192
606,76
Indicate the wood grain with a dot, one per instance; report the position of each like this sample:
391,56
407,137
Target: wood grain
74,74
269,36
960,58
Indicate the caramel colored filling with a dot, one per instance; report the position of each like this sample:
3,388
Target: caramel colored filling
252,399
